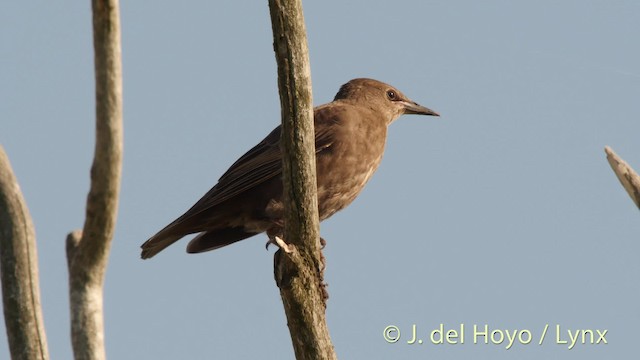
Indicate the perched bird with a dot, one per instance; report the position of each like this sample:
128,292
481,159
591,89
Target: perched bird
350,135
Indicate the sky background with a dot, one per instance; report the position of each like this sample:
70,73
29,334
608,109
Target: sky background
502,212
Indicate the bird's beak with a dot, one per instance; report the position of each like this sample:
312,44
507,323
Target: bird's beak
411,107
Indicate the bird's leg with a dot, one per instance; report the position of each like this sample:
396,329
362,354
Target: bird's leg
279,242
282,245
276,239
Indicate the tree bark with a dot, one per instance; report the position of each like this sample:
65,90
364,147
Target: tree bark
88,250
629,179
298,274
19,271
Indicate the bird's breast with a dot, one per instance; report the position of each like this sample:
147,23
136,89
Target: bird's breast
345,168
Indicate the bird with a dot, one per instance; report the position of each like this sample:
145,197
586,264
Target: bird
350,137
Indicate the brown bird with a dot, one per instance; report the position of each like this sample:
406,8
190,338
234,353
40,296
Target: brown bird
350,135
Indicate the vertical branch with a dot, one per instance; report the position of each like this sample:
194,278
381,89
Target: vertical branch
19,271
629,179
298,274
88,251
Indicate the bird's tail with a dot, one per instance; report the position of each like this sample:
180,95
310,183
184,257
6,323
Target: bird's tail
158,242
206,241
216,239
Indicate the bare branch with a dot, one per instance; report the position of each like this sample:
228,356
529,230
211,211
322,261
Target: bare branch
299,274
19,271
627,176
88,251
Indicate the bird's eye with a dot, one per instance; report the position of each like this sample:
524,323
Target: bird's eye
391,95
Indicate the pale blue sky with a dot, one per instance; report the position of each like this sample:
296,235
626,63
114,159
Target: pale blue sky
503,211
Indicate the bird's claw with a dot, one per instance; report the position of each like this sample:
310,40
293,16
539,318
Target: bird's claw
276,240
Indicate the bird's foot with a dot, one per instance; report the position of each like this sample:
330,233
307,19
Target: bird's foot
277,241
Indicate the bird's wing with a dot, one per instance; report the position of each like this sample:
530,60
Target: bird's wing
261,163
256,166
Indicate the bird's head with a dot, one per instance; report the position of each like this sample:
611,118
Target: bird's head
381,98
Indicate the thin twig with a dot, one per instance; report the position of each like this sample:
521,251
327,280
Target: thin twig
19,271
88,251
299,274
627,176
